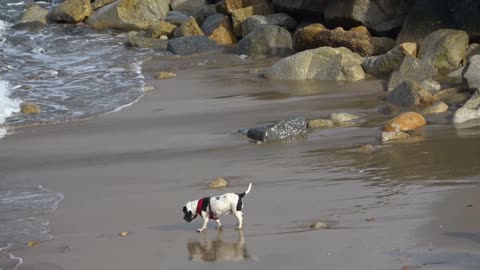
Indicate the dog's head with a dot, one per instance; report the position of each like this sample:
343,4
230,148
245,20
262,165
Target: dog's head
188,212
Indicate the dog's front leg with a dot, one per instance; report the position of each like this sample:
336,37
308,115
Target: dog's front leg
219,224
204,227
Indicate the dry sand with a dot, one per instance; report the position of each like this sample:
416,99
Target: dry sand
133,170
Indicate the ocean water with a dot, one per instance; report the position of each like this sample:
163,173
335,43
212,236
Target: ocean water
72,72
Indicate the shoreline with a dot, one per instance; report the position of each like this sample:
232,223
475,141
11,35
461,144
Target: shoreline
115,180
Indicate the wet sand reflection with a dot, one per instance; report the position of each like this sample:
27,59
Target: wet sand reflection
207,250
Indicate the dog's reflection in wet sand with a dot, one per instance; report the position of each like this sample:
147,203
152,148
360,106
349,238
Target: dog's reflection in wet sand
218,250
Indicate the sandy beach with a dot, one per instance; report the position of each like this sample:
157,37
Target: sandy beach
409,205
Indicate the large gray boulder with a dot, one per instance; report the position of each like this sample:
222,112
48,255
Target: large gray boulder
191,45
444,49
380,16
176,17
324,63
301,7
267,40
469,111
280,131
188,6
412,69
472,73
129,15
71,11
279,19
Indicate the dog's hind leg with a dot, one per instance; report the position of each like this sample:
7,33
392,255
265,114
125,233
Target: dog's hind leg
239,216
204,227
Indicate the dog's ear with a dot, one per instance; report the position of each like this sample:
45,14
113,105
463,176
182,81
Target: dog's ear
184,209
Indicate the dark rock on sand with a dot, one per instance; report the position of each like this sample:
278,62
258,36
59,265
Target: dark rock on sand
267,40
410,94
191,45
282,130
381,16
412,69
204,12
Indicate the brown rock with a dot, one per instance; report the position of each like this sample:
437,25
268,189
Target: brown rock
123,234
304,37
356,42
360,29
410,94
31,243
240,15
188,28
405,122
29,108
219,182
382,45
161,28
34,13
409,48
71,11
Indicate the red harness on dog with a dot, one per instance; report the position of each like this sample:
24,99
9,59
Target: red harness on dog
202,205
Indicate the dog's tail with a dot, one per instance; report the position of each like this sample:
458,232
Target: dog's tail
241,195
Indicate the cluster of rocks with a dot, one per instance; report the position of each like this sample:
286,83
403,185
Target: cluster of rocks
428,47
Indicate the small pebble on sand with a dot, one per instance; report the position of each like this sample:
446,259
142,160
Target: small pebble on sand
318,225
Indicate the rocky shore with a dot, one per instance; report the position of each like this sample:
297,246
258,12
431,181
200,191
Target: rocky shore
429,67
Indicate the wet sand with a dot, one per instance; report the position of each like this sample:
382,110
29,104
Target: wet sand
133,170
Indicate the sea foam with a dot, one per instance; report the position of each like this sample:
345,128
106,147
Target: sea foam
8,106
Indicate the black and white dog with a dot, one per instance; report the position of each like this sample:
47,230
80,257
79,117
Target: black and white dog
214,207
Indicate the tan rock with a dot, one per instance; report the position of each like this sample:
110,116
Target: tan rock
30,108
71,11
318,225
219,28
437,107
219,182
34,13
228,6
165,75
360,29
101,3
409,48
31,243
320,123
304,37
405,122
395,135
123,234
188,28
161,28
240,15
